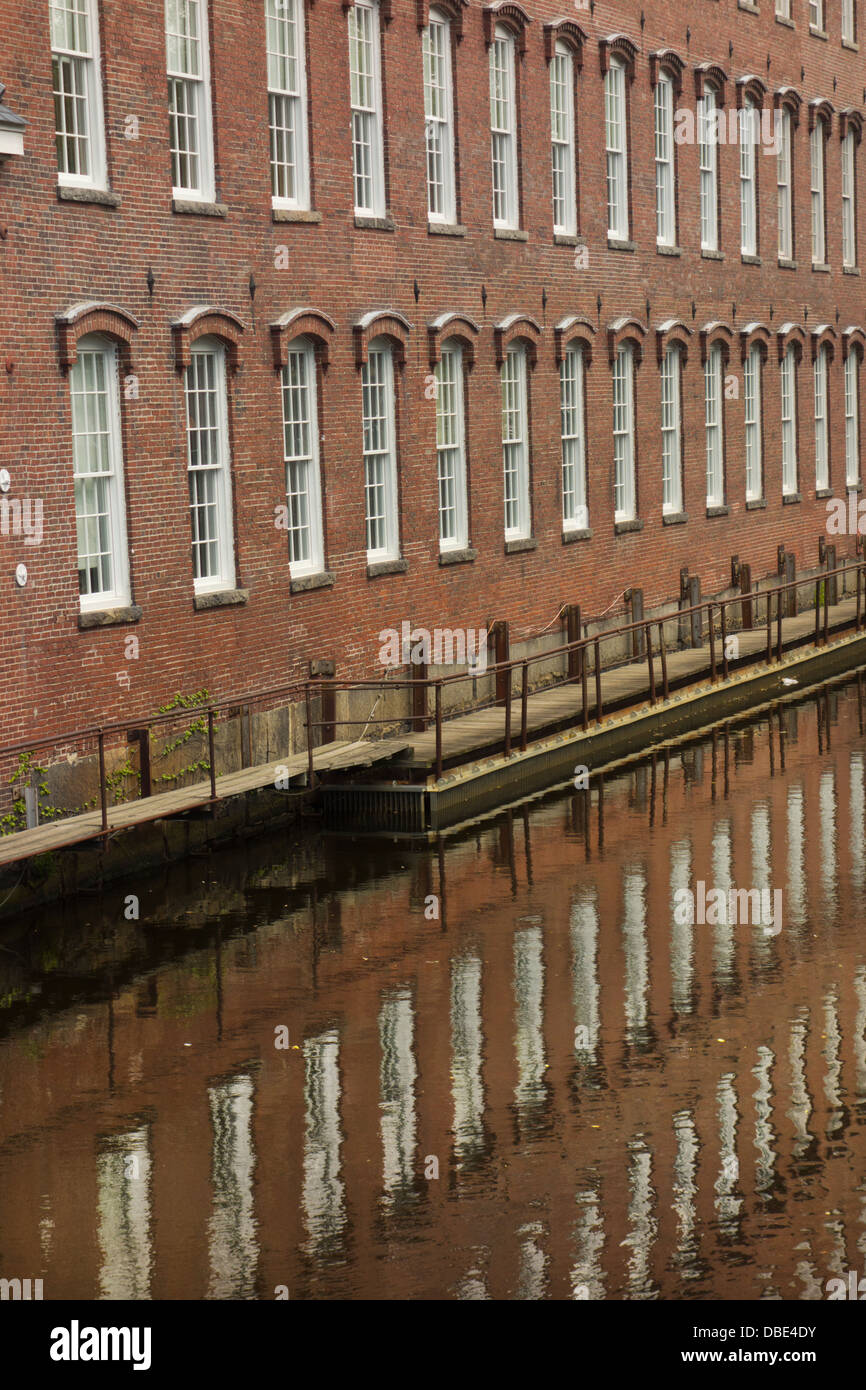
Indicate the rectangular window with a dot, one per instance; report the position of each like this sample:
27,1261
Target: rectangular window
666,228
515,444
849,21
709,149
748,180
849,201
816,14
783,188
816,159
789,424
380,454
451,450
503,129
852,419
78,125
365,76
672,463
208,469
616,145
189,109
783,9
754,441
287,107
575,514
97,454
439,117
822,444
624,499
301,455
714,428
562,141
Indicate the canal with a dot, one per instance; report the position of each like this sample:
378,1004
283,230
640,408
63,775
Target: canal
506,1065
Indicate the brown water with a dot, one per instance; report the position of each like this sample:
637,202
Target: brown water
510,1071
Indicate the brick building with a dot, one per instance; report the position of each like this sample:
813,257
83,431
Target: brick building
278,278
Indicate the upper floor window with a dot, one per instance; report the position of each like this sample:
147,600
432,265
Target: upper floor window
789,422
503,128
209,468
575,514
624,490
672,450
748,179
852,419
78,125
709,150
97,458
380,452
816,160
849,21
439,116
666,228
365,76
563,148
784,188
849,200
816,14
515,443
301,456
189,109
754,432
714,427
287,106
451,449
616,145
783,9
822,443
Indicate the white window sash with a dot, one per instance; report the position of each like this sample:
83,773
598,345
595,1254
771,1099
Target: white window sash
575,513
368,153
748,180
563,153
672,493
849,20
714,427
503,129
299,393
752,413
623,435
783,189
220,501
79,119
663,111
789,424
708,148
287,104
852,419
816,161
190,101
439,118
100,425
515,445
849,200
451,450
822,456
380,453
616,148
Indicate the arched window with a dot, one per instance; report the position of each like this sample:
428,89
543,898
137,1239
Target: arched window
515,443
663,109
97,458
672,447
301,457
752,398
209,467
451,448
789,421
822,439
563,145
749,130
503,128
575,511
784,186
616,148
852,417
714,426
708,146
624,490
819,211
380,452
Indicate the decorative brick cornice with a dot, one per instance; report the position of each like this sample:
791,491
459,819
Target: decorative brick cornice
716,334
381,323
791,335
453,8
752,87
512,15
850,119
666,60
302,323
824,336
567,32
573,330
459,326
854,338
521,326
712,74
787,99
672,333
625,330
618,46
93,316
755,335
821,110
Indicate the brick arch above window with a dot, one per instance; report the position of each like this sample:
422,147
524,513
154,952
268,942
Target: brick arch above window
854,339
672,333
667,61
567,32
306,323
454,9
716,334
515,326
755,335
452,325
94,316
824,336
512,15
791,335
821,110
618,46
710,74
787,99
625,330
384,6
204,320
573,330
750,87
849,119
381,323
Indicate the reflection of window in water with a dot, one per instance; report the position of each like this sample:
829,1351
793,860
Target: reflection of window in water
682,942
724,943
587,1275
827,856
467,1086
857,819
397,1073
765,1166
123,1204
636,950
232,1242
584,953
529,1015
795,906
324,1192
685,1190
642,1224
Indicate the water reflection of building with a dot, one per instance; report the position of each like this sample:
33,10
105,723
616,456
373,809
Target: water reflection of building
123,1174
232,1238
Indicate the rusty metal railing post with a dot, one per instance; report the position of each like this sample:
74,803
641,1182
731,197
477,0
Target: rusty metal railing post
826,611
524,706
769,625
663,653
779,626
598,706
508,717
649,660
438,699
724,623
859,571
817,612
211,753
103,802
712,627
583,688
311,771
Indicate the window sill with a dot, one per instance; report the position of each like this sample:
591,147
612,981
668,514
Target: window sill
523,543
665,250
223,598
445,229
380,567
788,23
818,33
674,518
822,269
750,9
307,582
375,224
850,270
108,617
71,193
193,208
510,234
567,239
708,255
784,264
615,244
583,533
622,528
748,259
822,492
756,504
295,215
458,557
723,510
851,44
851,487
789,499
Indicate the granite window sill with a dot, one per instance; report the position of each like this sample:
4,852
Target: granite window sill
664,250
822,492
789,499
567,239
622,528
674,518
851,44
615,244
784,264
445,229
109,617
375,224
783,19
510,234
818,33
756,504
380,567
458,557
583,533
723,510
524,543
851,487
295,215
709,255
193,208
748,259
750,9
224,598
822,269
103,197
850,270
305,583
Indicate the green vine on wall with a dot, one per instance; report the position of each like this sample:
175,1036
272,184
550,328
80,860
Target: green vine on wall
16,819
198,700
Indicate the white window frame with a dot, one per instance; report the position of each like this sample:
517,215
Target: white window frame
849,21
714,422
380,462
784,188
101,425
616,150
822,423
708,151
852,418
75,56
788,385
753,426
672,439
503,128
300,415
562,140
783,9
451,448
514,381
224,578
816,15
748,178
818,191
624,481
439,118
365,95
572,423
193,78
287,103
663,118
849,199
